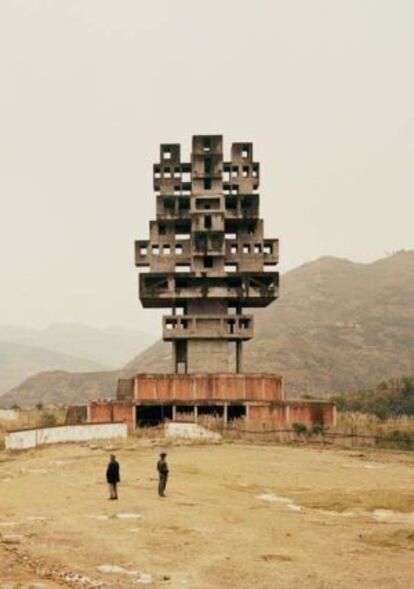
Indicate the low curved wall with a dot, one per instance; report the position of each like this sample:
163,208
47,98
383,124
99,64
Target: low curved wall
192,431
30,438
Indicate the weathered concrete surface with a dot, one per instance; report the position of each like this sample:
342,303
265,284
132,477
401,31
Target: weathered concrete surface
230,387
23,439
191,431
107,411
291,411
207,253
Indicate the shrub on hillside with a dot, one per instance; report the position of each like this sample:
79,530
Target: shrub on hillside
389,399
46,420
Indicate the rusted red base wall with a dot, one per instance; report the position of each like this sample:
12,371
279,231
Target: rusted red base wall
290,412
278,413
223,387
261,393
101,411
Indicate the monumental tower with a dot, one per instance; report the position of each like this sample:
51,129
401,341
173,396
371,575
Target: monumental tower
207,255
209,264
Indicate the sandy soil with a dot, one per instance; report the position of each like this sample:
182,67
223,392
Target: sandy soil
244,516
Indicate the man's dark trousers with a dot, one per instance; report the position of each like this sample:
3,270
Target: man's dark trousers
162,484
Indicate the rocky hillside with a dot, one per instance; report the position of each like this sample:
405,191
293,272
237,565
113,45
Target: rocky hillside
338,326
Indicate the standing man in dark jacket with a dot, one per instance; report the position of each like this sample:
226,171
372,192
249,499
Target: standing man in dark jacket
162,468
112,476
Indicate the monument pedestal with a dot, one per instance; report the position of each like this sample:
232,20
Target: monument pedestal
153,399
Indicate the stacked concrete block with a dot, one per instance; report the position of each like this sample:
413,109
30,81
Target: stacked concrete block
207,256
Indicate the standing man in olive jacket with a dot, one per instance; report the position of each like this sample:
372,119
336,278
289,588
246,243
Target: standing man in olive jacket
162,468
112,477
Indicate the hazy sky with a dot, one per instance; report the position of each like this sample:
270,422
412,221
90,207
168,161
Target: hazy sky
324,89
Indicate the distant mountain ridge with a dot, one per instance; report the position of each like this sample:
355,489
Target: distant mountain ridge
18,361
65,347
338,326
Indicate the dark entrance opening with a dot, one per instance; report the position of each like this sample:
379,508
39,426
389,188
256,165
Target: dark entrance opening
317,414
213,410
152,415
236,412
180,356
184,413
167,412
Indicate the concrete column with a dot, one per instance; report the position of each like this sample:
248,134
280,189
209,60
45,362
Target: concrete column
174,358
247,411
195,413
174,412
287,414
239,356
225,414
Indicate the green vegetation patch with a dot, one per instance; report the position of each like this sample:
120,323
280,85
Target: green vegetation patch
387,400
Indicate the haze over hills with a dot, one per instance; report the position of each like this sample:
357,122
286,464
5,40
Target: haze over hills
338,326
19,361
73,347
108,347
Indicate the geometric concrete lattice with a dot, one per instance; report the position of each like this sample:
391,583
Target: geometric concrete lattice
207,256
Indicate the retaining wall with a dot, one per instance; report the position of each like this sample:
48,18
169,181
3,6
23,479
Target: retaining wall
9,414
30,438
191,431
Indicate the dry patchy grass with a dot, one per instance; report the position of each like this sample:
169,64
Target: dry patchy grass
400,538
341,500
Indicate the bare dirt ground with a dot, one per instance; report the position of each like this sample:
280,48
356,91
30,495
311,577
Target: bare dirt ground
236,516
